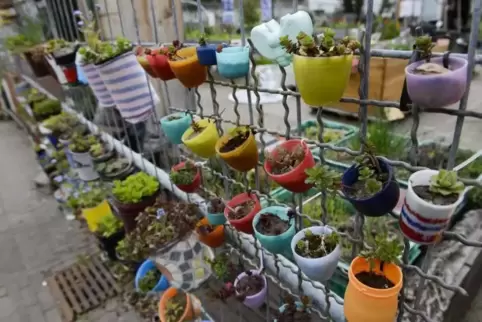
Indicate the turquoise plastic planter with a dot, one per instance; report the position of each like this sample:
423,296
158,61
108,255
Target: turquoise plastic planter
148,265
174,129
276,244
233,62
216,219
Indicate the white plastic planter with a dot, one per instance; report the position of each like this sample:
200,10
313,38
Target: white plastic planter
421,221
84,166
127,83
318,269
97,85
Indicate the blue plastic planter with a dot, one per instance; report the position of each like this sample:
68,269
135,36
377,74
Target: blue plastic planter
216,219
53,140
206,55
379,204
276,244
233,62
148,265
174,129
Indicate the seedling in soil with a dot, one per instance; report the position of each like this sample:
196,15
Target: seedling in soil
202,40
241,210
97,150
204,229
224,268
293,313
150,280
196,130
271,225
316,246
172,51
444,188
239,137
215,206
283,161
249,285
109,225
324,178
184,175
175,307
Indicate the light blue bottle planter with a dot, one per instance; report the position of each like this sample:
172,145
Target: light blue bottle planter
216,219
233,62
206,55
148,265
80,74
280,244
174,129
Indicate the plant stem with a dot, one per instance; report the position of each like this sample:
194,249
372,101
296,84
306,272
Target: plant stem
382,265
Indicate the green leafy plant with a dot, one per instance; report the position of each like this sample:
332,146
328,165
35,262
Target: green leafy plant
97,150
306,45
30,35
324,178
112,167
108,50
390,30
61,123
184,175
135,187
150,280
82,144
202,40
109,225
59,47
445,183
33,96
385,250
46,108
329,135
174,310
424,45
92,197
370,174
316,246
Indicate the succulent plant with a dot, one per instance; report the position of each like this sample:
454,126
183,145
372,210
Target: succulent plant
184,175
424,45
315,246
81,143
385,250
445,183
324,178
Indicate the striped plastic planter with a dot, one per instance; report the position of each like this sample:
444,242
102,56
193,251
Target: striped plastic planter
127,83
97,85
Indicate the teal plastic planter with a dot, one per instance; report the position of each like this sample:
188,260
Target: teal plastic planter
216,219
233,62
174,129
276,244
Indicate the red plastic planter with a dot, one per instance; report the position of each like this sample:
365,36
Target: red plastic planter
160,66
70,73
245,224
294,180
189,188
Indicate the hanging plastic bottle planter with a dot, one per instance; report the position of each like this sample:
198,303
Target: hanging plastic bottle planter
185,65
233,62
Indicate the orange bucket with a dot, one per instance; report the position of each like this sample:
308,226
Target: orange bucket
191,311
364,303
188,70
213,239
245,156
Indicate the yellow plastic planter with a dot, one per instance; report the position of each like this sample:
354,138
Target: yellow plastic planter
94,215
322,80
203,144
245,156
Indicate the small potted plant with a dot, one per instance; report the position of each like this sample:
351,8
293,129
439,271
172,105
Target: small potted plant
233,62
110,231
186,176
224,268
370,185
141,55
158,60
185,65
174,126
287,163
94,206
46,108
215,213
206,53
238,148
114,169
201,137
240,211
178,306
79,148
435,82
316,251
313,59
295,311
374,282
274,227
430,201
132,195
212,236
149,280
100,153
251,287
64,54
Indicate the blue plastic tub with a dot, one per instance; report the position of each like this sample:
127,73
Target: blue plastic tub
148,265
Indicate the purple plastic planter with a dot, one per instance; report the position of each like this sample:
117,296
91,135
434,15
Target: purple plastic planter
437,90
254,301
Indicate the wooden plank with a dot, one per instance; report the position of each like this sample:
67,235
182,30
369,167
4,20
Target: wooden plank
69,278
107,274
84,286
105,285
64,285
94,283
63,306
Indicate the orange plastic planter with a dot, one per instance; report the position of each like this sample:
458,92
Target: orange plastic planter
190,312
244,157
188,70
364,303
215,238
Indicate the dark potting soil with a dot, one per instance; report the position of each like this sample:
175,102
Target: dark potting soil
430,69
180,300
241,210
287,160
173,117
234,142
435,198
216,206
250,285
271,225
205,229
291,314
195,133
314,247
374,280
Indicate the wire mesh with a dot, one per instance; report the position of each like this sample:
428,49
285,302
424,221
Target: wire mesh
132,139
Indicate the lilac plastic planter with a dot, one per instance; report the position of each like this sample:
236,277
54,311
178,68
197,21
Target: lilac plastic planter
254,301
437,90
